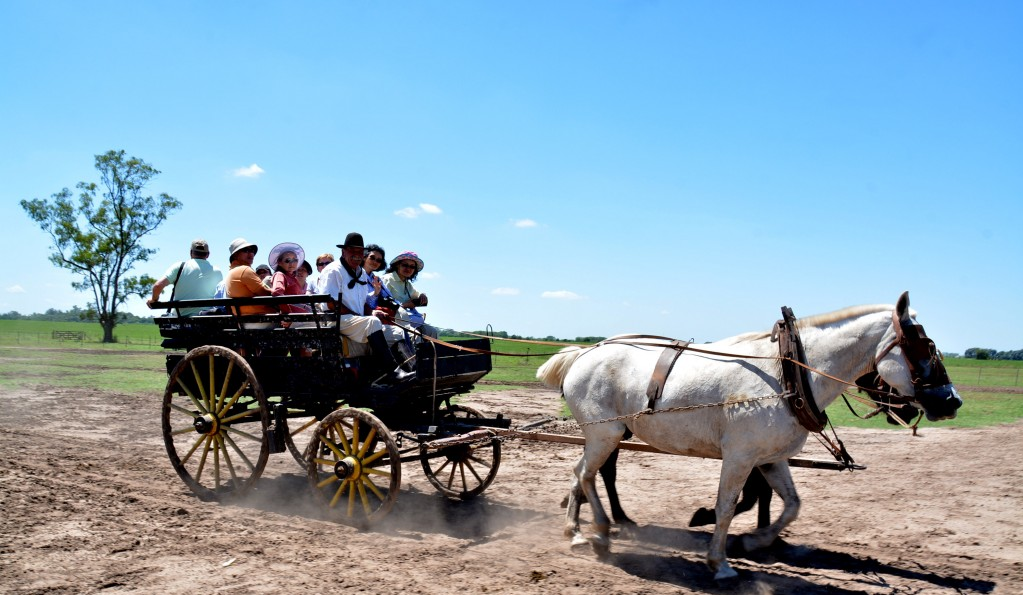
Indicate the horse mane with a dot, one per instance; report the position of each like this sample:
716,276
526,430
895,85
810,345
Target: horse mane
818,320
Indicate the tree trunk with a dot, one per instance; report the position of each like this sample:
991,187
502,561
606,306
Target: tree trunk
108,330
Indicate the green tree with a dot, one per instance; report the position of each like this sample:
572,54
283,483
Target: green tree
100,238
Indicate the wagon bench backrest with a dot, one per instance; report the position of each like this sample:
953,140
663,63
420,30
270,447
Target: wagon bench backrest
233,330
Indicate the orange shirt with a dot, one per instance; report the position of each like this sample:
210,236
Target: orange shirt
242,281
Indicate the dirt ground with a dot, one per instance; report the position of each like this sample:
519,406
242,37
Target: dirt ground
91,504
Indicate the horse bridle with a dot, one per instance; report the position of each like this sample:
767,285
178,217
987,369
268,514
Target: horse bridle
922,357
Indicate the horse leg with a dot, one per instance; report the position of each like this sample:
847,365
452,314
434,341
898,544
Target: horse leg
573,502
779,476
609,473
756,488
599,444
733,477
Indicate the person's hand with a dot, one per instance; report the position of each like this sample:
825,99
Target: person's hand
422,299
381,315
376,284
149,302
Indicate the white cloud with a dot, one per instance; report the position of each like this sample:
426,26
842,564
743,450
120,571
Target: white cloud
16,289
504,291
561,295
252,171
431,275
523,223
413,212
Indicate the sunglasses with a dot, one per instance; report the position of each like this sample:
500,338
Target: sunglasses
407,265
322,264
289,260
374,258
251,249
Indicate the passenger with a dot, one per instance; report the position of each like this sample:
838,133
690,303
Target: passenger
193,279
346,281
302,273
397,280
264,273
285,259
375,260
242,281
322,261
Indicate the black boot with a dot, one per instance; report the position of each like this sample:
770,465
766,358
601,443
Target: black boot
378,344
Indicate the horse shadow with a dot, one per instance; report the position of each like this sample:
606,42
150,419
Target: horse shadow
415,512
689,573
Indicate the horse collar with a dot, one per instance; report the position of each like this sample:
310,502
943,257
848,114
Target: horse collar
795,377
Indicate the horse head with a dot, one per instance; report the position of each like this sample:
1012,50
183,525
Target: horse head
911,365
895,408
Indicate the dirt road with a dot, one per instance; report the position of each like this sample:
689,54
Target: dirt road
91,504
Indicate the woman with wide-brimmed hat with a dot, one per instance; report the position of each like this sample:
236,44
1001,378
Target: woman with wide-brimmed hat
285,258
397,280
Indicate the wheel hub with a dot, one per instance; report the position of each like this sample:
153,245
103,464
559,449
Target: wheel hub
348,468
206,424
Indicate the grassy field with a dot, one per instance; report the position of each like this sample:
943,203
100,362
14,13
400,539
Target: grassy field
30,357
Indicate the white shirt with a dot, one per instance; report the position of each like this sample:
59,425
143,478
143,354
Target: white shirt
334,280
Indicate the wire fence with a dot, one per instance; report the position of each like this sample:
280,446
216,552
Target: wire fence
524,365
77,339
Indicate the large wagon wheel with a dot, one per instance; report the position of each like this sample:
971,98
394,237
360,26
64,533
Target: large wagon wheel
462,470
354,466
298,432
215,418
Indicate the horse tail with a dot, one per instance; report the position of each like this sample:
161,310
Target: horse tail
553,371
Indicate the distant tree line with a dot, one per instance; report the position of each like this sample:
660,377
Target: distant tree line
75,314
982,353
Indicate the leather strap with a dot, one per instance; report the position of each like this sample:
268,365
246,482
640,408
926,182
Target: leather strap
665,362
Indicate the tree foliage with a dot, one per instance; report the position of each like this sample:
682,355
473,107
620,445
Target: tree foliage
100,238
981,353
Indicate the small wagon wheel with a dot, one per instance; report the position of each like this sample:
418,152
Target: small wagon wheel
462,470
354,466
215,418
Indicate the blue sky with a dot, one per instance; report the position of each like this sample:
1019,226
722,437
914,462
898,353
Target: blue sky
564,168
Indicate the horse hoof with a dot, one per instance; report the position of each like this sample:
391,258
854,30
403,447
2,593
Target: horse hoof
579,541
754,541
725,573
601,547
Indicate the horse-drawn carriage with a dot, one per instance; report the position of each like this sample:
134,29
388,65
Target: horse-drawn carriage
243,387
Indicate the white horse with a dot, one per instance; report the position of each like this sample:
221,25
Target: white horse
605,387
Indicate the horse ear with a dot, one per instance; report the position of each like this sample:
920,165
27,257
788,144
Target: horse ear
902,306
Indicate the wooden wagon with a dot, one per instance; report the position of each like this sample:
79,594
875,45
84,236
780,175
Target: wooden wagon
241,388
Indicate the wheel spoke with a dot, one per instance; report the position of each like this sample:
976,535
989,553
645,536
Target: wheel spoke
199,383
213,378
472,470
229,440
247,413
188,455
242,433
346,447
195,401
222,396
227,459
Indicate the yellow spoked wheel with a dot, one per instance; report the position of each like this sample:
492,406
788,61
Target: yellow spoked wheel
215,418
353,466
464,470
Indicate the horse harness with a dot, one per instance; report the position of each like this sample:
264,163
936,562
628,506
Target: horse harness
794,373
669,355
